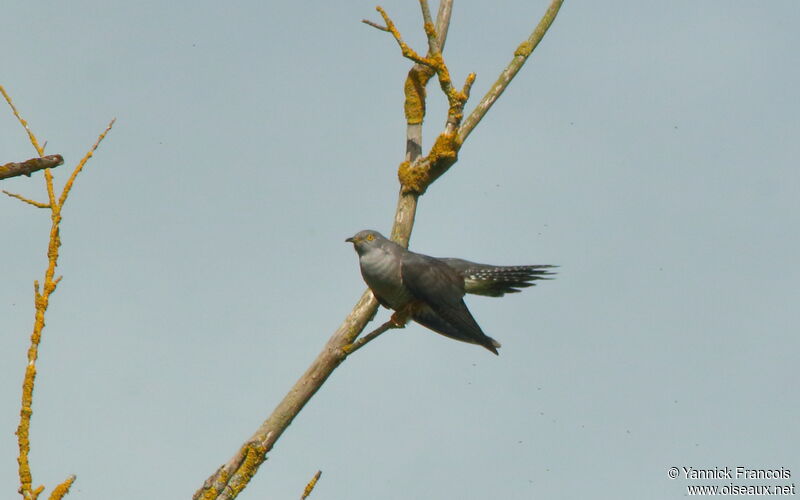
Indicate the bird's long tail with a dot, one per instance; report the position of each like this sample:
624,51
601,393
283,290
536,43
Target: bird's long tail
495,281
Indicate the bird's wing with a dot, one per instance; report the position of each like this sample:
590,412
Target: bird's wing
441,289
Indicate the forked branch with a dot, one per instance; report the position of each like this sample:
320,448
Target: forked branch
416,174
41,301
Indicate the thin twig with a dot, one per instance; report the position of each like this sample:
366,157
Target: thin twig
407,51
35,203
362,341
374,25
31,137
520,56
310,486
430,29
79,166
62,489
433,60
27,167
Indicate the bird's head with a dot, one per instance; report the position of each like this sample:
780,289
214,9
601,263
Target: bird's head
365,240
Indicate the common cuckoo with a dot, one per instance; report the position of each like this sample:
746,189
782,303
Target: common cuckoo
431,290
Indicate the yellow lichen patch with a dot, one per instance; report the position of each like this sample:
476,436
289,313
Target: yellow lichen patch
444,153
430,30
445,147
524,49
414,90
436,61
413,179
211,492
254,456
311,484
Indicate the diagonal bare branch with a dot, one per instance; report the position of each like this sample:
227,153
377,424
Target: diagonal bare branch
230,479
79,166
362,341
520,56
374,25
31,136
443,21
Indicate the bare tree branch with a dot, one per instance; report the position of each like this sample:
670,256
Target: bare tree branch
374,25
39,149
29,166
231,478
362,341
415,174
443,21
520,56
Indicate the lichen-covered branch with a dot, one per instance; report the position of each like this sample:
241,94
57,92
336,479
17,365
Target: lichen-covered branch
37,204
311,484
62,489
416,175
433,60
79,167
415,98
41,301
27,167
39,149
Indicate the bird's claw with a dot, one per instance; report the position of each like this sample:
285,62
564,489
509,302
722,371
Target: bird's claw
399,319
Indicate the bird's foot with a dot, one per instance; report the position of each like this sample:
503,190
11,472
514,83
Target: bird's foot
401,317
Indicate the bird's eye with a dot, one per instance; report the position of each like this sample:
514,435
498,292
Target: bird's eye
370,237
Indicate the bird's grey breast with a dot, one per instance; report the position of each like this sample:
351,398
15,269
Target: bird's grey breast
380,268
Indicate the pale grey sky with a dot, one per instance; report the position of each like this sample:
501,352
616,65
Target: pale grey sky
649,148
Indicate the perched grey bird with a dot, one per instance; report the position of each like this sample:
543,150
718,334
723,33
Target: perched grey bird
431,291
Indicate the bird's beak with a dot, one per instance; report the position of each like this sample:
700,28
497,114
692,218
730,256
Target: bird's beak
350,240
